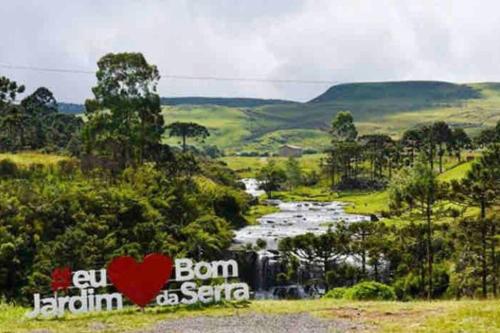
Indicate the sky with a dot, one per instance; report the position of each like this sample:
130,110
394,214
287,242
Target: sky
327,40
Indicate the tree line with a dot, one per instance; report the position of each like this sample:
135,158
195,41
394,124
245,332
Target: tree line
369,161
34,123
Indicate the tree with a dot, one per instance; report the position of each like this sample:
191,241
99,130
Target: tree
41,102
365,243
39,106
481,188
13,126
206,237
497,130
487,136
413,140
8,91
343,159
460,140
377,148
421,193
471,257
443,136
293,172
124,118
12,117
324,249
187,130
271,178
343,128
345,151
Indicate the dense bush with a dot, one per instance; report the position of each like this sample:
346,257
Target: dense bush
56,216
336,293
364,291
7,168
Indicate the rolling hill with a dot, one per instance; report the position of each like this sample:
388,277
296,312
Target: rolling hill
222,101
251,124
380,107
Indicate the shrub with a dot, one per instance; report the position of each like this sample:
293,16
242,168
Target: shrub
336,293
370,291
309,151
68,167
8,168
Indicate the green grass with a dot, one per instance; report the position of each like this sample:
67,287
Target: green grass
307,138
365,202
28,158
250,166
265,128
227,126
456,172
258,211
437,316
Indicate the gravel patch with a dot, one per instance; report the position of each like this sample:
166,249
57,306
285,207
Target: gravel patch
256,323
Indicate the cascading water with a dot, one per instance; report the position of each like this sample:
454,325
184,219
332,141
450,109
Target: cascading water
294,218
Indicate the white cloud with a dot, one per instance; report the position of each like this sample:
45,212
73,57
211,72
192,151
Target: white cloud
310,39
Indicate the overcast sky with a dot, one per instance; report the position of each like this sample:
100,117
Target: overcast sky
341,41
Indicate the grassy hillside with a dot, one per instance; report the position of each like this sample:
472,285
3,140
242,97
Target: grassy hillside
228,126
438,316
388,108
260,125
222,101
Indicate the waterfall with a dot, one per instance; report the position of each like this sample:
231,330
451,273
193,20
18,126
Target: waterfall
293,218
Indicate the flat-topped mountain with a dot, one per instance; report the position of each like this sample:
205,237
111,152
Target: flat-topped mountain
425,90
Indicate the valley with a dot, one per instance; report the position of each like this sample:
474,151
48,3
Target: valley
381,108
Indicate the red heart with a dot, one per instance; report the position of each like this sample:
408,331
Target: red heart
140,282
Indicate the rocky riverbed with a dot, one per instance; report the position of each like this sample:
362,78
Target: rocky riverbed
294,218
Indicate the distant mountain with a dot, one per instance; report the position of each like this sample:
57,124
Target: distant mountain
260,125
378,107
70,108
423,90
237,102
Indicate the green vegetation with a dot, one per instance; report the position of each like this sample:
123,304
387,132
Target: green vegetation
381,108
227,126
35,122
247,166
421,90
124,125
31,158
125,194
433,226
400,182
222,101
187,130
364,291
380,316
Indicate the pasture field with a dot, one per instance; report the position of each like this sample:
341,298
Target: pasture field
266,128
249,166
227,126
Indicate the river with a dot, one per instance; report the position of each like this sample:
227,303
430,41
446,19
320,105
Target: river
294,218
